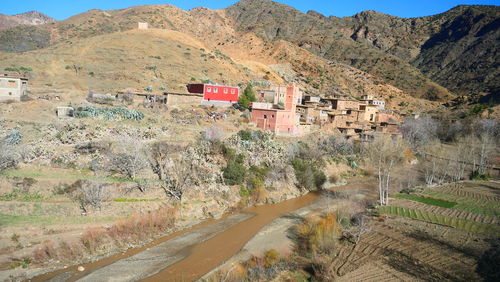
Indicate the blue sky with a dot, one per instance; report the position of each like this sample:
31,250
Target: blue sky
61,9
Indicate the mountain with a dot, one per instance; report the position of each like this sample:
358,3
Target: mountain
437,57
28,18
456,49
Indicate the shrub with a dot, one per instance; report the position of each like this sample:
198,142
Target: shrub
271,257
308,175
234,173
317,235
245,135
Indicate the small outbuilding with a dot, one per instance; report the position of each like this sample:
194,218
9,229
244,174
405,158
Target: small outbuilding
12,87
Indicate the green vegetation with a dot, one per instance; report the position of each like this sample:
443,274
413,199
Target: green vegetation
463,224
18,195
108,113
74,174
36,220
24,263
247,97
468,204
21,70
308,174
428,201
234,173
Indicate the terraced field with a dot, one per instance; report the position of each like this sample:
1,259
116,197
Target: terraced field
425,242
470,206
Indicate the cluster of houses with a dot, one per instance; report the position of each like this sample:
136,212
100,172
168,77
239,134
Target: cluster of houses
285,110
282,109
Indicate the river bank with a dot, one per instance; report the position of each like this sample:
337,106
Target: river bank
194,258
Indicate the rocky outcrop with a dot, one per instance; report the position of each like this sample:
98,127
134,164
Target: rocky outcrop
28,18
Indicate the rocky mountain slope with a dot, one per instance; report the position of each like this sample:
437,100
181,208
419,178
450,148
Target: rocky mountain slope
184,46
28,18
435,57
456,49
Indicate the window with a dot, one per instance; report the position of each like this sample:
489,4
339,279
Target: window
225,90
233,91
209,89
272,116
216,89
265,116
11,83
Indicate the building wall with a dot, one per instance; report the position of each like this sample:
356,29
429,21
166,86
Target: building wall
369,113
345,104
12,88
264,119
221,93
279,94
180,100
379,103
286,122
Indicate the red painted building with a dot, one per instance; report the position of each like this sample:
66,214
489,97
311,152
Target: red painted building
213,94
281,121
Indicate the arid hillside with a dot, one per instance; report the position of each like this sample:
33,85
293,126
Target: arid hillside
436,58
28,18
104,51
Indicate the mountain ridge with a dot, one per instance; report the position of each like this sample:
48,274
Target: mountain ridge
393,51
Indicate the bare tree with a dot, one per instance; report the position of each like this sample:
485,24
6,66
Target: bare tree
178,177
10,156
419,132
88,193
213,133
358,229
337,145
129,158
384,153
159,155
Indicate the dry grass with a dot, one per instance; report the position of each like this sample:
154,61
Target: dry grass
317,235
96,240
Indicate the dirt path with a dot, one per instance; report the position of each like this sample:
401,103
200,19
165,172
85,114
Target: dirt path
192,254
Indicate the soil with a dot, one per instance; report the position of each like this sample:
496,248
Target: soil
197,251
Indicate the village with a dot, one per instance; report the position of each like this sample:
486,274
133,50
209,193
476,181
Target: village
160,144
282,109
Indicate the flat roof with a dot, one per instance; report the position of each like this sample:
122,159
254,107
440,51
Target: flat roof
207,84
14,77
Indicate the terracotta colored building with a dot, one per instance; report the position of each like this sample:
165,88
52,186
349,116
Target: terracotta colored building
281,121
219,95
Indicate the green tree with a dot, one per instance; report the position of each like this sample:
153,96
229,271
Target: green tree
247,97
249,93
19,70
243,101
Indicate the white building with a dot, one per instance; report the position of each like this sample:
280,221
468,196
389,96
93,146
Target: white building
12,88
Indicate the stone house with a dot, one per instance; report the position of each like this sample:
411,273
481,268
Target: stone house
12,87
368,113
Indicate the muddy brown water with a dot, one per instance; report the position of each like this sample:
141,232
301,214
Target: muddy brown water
205,256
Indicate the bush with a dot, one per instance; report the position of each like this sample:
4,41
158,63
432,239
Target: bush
308,175
108,113
245,135
476,175
234,173
317,235
271,257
